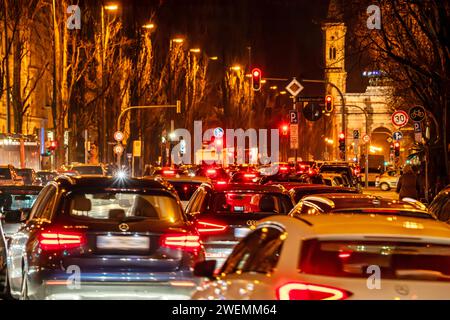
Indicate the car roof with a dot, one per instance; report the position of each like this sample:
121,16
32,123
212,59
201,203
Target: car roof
336,201
368,227
247,187
93,181
197,179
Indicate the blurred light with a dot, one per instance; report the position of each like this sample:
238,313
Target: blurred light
236,68
111,7
121,174
195,50
172,135
283,92
263,81
214,58
178,40
273,88
148,26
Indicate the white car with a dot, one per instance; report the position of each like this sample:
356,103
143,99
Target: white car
341,256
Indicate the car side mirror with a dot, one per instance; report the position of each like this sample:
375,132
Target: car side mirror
205,269
15,216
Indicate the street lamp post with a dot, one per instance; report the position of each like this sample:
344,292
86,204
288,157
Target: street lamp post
177,106
111,7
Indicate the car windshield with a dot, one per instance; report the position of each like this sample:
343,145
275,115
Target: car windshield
15,201
120,206
5,173
249,202
88,169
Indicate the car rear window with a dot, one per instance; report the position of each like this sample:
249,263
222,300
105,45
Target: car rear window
185,190
396,260
111,206
15,201
249,202
88,170
5,173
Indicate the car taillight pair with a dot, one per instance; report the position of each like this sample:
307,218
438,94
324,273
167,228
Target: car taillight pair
307,291
61,240
185,242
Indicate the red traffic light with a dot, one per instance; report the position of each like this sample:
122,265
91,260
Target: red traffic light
284,129
256,79
53,145
329,105
397,145
341,136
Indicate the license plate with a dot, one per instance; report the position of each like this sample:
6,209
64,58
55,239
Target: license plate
123,242
241,232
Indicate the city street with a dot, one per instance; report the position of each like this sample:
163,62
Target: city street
217,150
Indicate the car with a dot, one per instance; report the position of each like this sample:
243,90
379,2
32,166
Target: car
300,190
16,200
336,180
373,174
387,180
334,257
125,238
440,206
334,203
168,172
4,287
185,186
83,169
9,176
340,169
248,177
29,176
224,214
213,173
46,176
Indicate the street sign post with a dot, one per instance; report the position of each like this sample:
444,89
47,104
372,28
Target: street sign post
399,118
118,136
294,87
417,113
293,136
397,136
417,132
366,138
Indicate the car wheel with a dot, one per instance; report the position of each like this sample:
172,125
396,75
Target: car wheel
385,187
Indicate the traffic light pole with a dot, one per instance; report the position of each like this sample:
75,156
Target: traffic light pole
177,106
342,103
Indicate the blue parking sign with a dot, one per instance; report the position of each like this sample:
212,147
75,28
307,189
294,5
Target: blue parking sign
397,136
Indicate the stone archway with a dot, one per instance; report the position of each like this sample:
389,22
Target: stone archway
379,142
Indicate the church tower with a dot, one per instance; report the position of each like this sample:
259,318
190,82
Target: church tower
334,31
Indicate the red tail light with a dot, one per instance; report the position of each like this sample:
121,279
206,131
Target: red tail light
211,171
250,175
186,242
284,168
168,172
61,240
221,182
307,291
207,227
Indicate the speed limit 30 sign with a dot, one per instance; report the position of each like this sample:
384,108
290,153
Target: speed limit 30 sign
399,118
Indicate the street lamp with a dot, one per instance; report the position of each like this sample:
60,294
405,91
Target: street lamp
110,8
236,68
148,26
195,50
214,58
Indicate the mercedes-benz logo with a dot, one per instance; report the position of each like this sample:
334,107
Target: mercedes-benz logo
123,227
402,289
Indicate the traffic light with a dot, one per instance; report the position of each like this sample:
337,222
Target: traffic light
284,129
53,145
329,104
397,149
218,142
342,142
256,79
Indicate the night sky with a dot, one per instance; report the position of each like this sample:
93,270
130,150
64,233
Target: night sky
285,35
